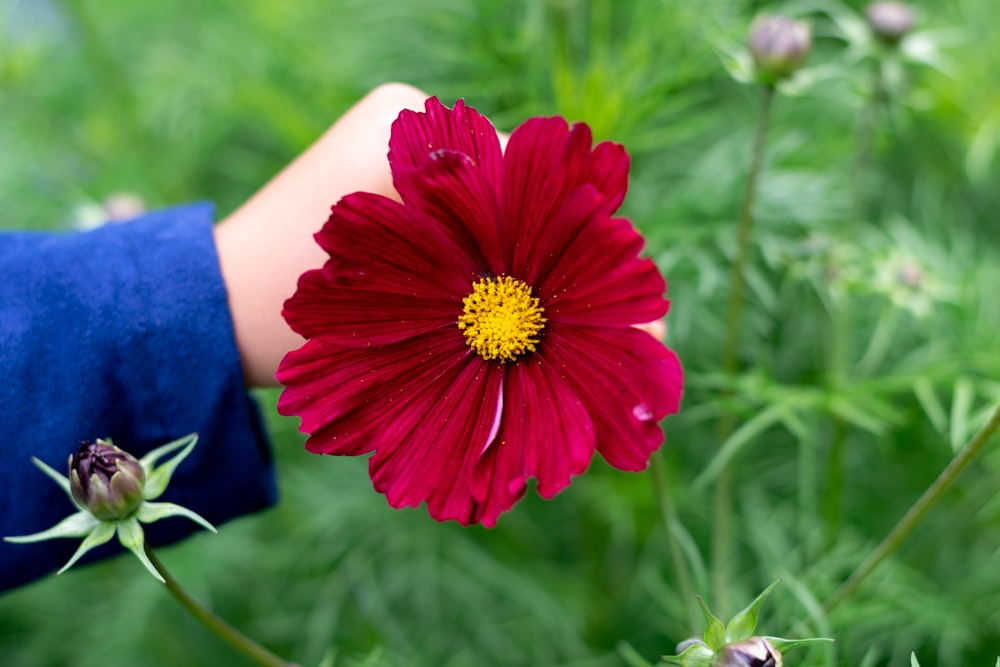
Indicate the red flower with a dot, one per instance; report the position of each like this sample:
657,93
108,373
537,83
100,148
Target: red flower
480,332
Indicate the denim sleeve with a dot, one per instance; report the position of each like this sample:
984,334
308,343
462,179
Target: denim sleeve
123,332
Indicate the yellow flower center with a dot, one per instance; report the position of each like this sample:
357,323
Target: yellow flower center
501,320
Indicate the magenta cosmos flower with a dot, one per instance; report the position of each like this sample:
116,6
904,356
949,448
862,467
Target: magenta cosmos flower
479,333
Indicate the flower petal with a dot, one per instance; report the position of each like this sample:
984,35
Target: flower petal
350,315
366,228
545,162
393,273
386,369
348,397
434,438
626,379
535,260
586,268
452,190
416,135
629,291
545,433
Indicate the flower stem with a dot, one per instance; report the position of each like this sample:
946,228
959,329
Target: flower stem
868,122
669,516
916,513
257,653
840,344
721,527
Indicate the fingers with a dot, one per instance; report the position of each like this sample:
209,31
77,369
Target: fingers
657,329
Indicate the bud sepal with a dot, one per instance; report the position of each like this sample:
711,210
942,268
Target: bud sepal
113,492
734,644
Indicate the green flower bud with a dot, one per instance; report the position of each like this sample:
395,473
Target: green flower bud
113,492
754,652
779,46
106,481
734,644
890,21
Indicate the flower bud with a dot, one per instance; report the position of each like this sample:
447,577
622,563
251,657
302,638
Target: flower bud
105,480
779,46
754,652
890,21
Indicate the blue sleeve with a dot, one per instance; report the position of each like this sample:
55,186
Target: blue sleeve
121,332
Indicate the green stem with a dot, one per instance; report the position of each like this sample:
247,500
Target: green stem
723,497
841,337
881,340
248,647
916,513
808,503
832,494
670,522
868,121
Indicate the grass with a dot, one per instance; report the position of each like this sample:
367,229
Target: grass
868,353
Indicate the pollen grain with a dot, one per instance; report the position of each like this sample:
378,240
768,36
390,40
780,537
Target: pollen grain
502,320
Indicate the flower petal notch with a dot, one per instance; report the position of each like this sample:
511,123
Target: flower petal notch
112,490
481,331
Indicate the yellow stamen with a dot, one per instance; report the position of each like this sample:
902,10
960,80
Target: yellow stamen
502,320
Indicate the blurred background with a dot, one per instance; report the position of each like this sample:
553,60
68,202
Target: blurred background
888,212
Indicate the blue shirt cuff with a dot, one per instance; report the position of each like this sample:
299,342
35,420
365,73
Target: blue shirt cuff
123,332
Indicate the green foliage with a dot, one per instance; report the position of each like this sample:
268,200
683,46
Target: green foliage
869,345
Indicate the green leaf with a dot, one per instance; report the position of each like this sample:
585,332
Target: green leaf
853,414
784,644
741,626
329,658
75,525
150,512
715,632
695,655
915,663
961,406
924,391
102,532
631,656
157,478
372,659
58,478
132,538
738,441
149,460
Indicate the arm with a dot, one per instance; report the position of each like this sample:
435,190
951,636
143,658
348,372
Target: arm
127,332
349,157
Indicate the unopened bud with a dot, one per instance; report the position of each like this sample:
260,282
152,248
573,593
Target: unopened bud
779,46
911,275
890,21
105,480
754,652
